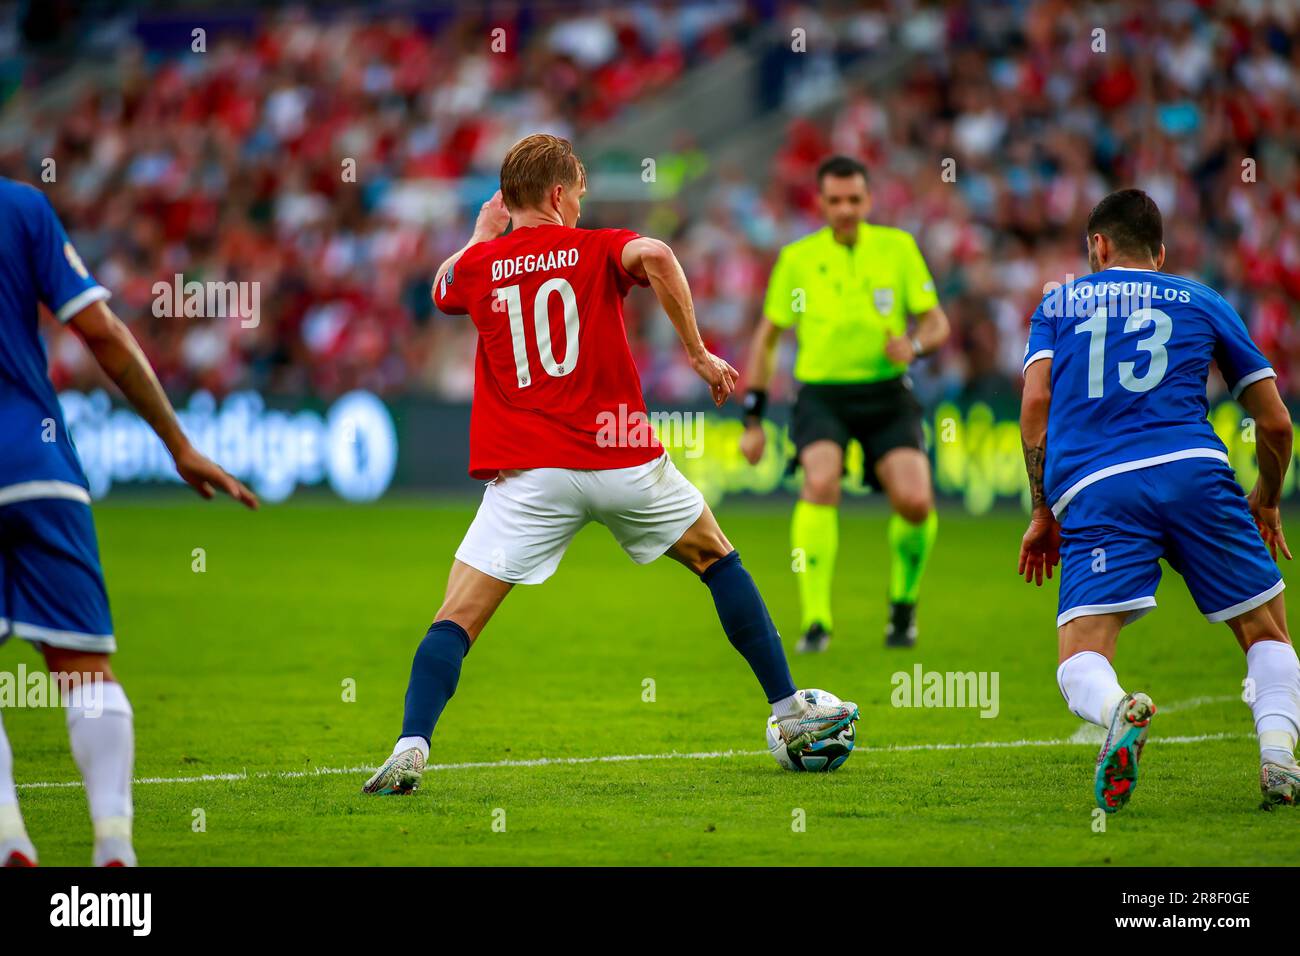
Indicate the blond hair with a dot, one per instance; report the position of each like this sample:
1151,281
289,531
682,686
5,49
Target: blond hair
534,165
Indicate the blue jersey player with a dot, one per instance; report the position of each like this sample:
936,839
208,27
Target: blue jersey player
1124,470
51,588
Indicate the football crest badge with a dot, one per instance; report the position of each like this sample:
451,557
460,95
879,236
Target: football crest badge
883,298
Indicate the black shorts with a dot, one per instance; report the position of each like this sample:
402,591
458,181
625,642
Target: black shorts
881,416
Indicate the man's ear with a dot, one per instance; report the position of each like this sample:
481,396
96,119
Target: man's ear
1160,259
1102,247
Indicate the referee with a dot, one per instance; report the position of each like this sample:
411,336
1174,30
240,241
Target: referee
849,289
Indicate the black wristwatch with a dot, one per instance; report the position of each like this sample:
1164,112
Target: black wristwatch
755,405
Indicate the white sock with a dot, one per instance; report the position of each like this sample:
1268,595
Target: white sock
12,831
406,743
788,706
13,835
113,842
103,745
1090,687
1274,671
8,793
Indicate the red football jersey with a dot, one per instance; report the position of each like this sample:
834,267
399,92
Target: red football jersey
554,381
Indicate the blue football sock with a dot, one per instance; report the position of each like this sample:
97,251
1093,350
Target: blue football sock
434,675
748,625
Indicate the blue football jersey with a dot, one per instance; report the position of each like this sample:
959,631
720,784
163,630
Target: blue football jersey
1131,352
37,265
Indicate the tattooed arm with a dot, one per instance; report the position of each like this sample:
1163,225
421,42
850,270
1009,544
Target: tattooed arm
1040,547
1035,461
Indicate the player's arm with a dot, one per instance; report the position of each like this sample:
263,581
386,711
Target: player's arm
1254,385
654,261
930,331
761,366
122,359
1273,438
1040,549
930,326
493,217
780,312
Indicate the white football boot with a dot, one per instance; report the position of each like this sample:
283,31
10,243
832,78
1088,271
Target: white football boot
399,774
1280,784
1117,762
815,722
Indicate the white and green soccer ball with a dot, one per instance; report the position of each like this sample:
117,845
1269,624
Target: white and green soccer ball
821,756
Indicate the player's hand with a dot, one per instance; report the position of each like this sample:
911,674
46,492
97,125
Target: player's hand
493,217
899,349
719,374
1269,522
753,442
207,477
1040,549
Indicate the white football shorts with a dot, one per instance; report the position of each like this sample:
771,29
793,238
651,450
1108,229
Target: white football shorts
528,517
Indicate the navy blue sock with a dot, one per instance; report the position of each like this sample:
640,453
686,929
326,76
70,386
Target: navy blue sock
748,625
434,675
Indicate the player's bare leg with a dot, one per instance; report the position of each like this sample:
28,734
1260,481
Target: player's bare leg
1273,692
705,550
814,535
904,474
1092,692
16,847
471,599
101,731
702,544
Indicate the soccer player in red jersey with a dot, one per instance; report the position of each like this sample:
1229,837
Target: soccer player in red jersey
553,370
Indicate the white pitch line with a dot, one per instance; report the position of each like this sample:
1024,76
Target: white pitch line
612,758
1195,702
1094,735
201,778
1059,742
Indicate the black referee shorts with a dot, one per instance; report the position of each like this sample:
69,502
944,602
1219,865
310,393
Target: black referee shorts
881,416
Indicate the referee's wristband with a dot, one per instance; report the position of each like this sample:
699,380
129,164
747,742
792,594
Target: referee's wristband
755,404
918,351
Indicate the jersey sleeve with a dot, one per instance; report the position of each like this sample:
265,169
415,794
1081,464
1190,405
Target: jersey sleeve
63,282
779,303
448,296
918,284
1237,355
1042,334
615,240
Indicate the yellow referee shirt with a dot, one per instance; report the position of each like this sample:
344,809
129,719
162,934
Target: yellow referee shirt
848,301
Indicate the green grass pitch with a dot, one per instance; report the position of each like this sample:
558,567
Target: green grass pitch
243,670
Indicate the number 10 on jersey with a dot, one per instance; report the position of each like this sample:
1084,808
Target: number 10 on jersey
542,328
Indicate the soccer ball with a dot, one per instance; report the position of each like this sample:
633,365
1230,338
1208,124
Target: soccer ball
821,756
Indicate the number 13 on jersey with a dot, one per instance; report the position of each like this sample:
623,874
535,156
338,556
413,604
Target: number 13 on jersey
1154,343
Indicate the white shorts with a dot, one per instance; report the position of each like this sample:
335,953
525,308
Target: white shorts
528,518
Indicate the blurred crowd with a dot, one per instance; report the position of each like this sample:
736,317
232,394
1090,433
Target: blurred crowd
1040,124
333,162
1001,127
